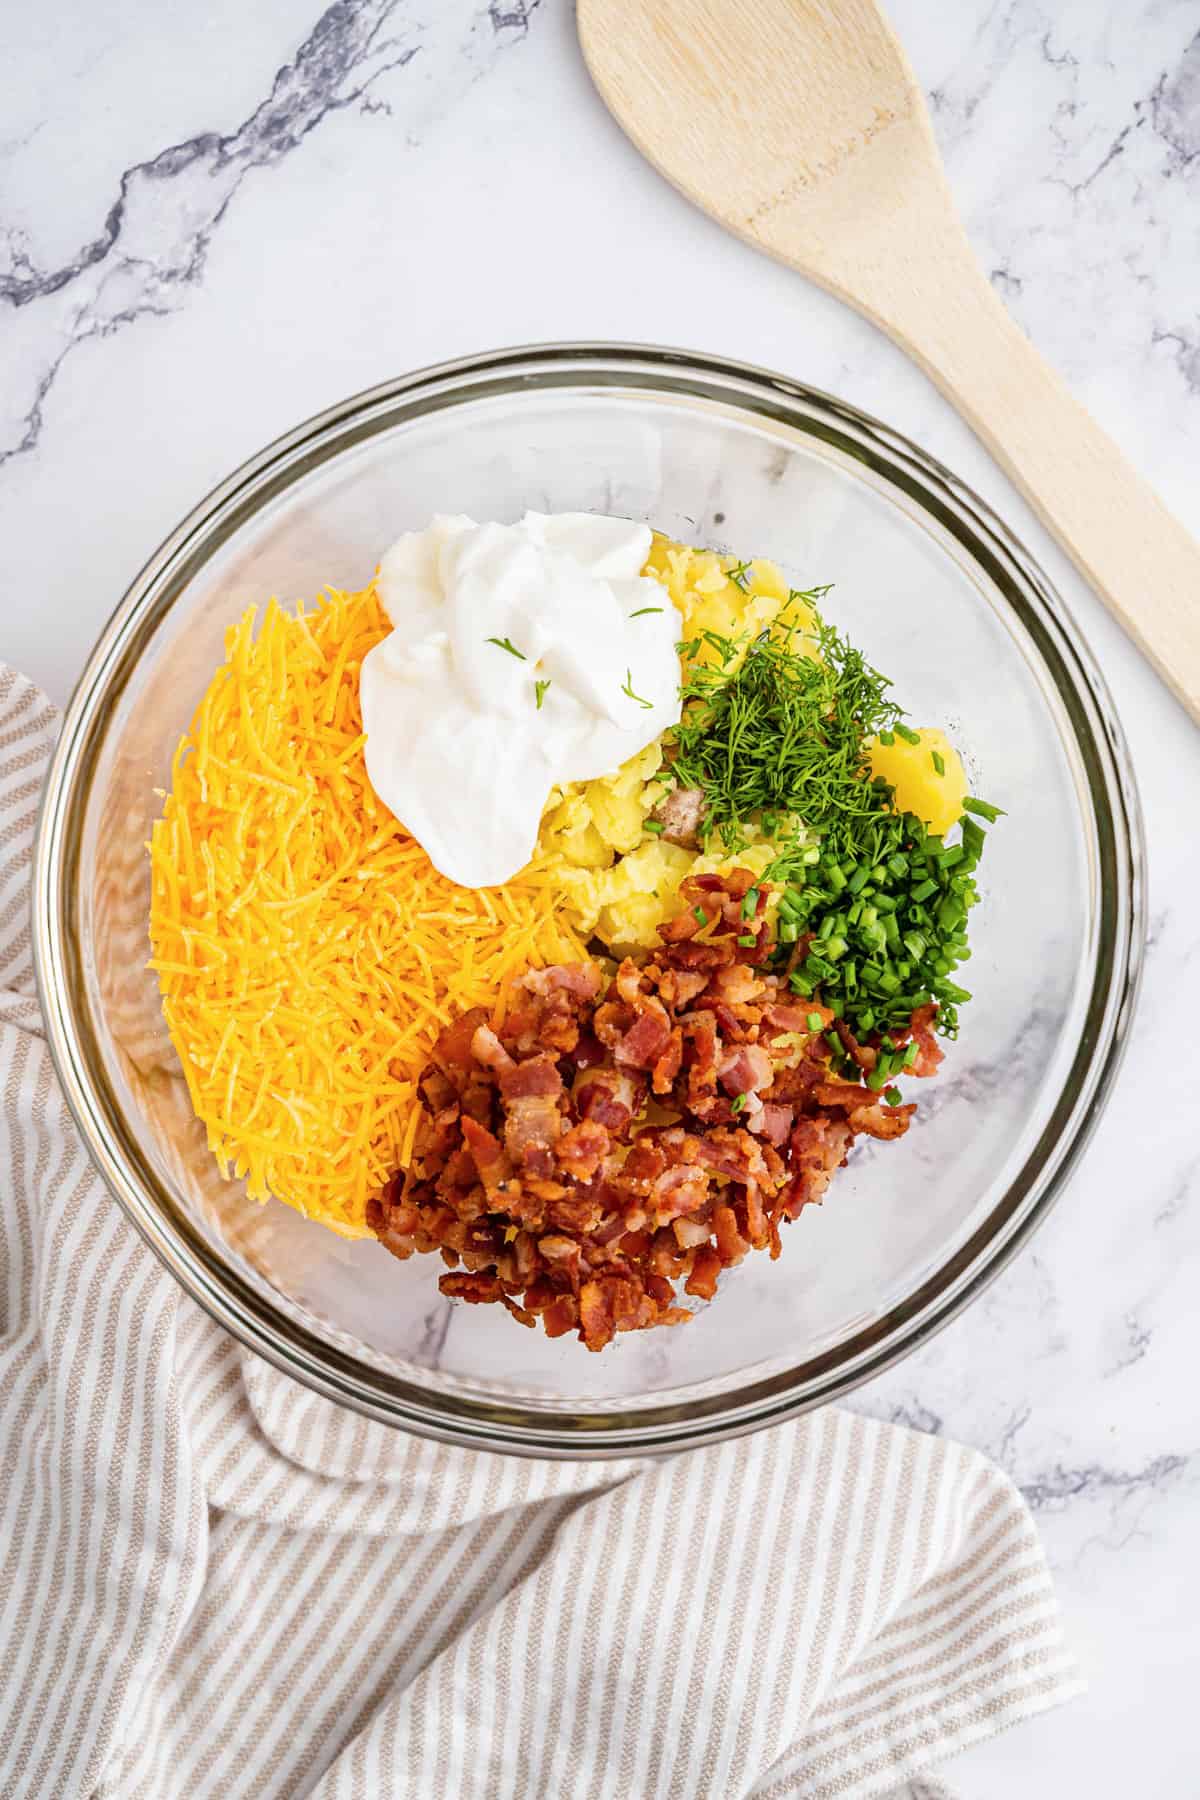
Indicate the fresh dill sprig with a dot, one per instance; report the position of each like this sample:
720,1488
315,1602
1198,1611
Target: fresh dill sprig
784,733
506,644
643,610
540,690
628,689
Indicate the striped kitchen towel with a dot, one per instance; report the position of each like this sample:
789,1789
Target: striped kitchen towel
213,1583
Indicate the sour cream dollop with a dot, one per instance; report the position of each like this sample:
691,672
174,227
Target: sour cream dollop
488,620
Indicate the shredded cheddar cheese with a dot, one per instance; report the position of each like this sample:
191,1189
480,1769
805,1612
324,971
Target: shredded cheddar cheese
307,950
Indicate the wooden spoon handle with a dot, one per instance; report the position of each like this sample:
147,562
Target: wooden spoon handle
1134,553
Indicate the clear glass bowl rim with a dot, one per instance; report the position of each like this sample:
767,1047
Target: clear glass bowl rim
1117,819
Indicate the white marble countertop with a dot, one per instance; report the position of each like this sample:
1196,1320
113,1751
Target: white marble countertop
218,219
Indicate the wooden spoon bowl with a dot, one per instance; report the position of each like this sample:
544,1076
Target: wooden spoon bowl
799,125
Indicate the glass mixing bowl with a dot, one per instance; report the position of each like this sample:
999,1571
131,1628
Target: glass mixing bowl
939,595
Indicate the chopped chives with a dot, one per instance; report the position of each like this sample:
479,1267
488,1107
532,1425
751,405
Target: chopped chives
699,914
985,809
748,940
653,826
815,1021
737,1103
750,903
938,761
909,736
892,1096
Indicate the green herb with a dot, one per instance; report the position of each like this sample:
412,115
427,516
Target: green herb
879,961
737,1103
699,914
740,575
984,809
938,761
748,940
628,689
504,644
909,736
815,1021
540,689
892,1096
784,733
653,827
750,904
643,610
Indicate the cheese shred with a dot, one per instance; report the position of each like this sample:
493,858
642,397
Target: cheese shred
307,951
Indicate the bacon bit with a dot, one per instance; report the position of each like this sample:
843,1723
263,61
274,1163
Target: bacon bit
703,1279
561,1316
581,981
731,1246
774,1123
680,814
882,1121
845,1094
609,1096
795,1018
929,1051
746,1070
537,1175
537,1077
582,1149
487,1049
487,1154
478,1289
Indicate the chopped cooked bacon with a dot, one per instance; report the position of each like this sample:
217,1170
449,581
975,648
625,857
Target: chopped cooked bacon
537,1077
845,1094
487,1049
486,1153
818,1148
774,1122
545,1184
737,984
785,1017
582,1149
532,1127
609,1096
680,815
669,1063
476,1288
929,1051
646,1039
453,1053
862,1054
580,980
882,1121
746,1070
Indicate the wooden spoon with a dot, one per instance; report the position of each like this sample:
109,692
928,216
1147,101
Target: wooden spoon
798,124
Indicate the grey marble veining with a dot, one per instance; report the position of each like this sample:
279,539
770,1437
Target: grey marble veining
214,221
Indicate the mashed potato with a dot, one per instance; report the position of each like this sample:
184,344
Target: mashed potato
620,881
934,791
